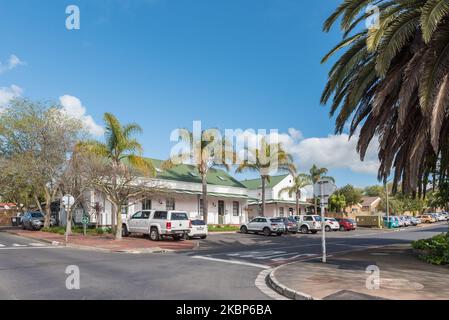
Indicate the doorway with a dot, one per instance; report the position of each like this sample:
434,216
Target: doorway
221,212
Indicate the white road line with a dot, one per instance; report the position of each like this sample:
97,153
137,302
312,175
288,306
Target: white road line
36,244
262,266
28,248
19,245
2,245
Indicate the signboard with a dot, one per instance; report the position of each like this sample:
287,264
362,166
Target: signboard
325,188
85,220
68,200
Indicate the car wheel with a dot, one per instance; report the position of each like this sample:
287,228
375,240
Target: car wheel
244,230
154,234
125,232
177,238
342,228
304,230
328,229
266,232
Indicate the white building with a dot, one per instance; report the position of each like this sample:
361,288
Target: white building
182,190
277,204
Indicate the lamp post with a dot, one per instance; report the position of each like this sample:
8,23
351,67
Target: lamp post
388,202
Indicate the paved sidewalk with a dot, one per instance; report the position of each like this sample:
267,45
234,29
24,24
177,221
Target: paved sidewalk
402,277
134,244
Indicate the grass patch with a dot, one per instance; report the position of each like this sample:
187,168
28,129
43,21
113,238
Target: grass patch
77,230
435,250
223,228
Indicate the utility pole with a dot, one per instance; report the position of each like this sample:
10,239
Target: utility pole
323,223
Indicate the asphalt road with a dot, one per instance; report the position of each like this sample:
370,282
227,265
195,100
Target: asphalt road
223,267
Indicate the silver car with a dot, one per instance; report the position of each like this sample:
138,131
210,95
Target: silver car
267,226
35,221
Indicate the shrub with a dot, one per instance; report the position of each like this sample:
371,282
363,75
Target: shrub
436,249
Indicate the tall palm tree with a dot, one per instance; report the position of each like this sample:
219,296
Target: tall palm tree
212,150
393,81
300,181
121,157
315,175
265,159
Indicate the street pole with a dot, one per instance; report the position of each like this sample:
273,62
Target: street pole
323,223
388,205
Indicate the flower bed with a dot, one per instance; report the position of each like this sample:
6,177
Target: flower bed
434,250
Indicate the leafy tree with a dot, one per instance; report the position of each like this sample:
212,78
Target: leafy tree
374,191
117,166
337,202
391,81
352,195
316,174
265,159
300,181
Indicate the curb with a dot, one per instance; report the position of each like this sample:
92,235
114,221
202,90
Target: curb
291,294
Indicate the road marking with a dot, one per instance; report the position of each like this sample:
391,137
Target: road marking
36,244
19,245
2,245
233,262
28,248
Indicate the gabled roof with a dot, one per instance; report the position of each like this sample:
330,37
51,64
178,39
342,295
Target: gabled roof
257,183
189,173
369,201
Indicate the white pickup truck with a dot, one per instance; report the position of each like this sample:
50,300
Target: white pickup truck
158,224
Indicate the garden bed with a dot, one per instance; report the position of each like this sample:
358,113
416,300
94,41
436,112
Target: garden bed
434,250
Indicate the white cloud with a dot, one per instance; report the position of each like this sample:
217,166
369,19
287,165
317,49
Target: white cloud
332,152
9,93
73,107
12,63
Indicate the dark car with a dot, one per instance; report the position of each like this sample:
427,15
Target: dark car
291,225
346,224
34,221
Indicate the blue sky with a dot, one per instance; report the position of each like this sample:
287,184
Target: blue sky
165,63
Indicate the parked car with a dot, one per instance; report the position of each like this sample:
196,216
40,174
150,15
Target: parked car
440,217
308,223
290,224
435,217
267,226
199,229
405,221
346,224
331,224
427,218
158,224
394,222
34,221
413,221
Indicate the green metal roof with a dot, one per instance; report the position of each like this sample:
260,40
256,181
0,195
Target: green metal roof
257,183
189,173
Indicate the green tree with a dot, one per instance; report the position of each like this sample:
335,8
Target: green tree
119,166
374,191
211,150
352,195
265,159
391,81
300,181
337,202
316,174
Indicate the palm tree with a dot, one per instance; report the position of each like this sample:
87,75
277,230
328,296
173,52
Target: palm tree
211,151
121,158
265,159
316,174
300,181
393,81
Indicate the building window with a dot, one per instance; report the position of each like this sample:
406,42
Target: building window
281,211
170,204
236,208
146,204
201,205
290,211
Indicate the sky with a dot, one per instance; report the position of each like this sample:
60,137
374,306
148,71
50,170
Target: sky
231,64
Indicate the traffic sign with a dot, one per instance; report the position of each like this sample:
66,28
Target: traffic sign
68,200
85,220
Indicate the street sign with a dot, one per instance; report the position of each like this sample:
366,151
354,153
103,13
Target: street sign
85,220
68,200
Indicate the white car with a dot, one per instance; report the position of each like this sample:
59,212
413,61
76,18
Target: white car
308,223
199,229
158,224
264,225
331,224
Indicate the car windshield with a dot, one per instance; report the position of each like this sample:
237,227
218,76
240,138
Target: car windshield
37,215
179,216
350,220
317,218
277,220
198,223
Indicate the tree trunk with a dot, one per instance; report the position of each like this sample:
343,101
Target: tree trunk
205,202
263,196
47,211
298,197
68,229
113,218
118,232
